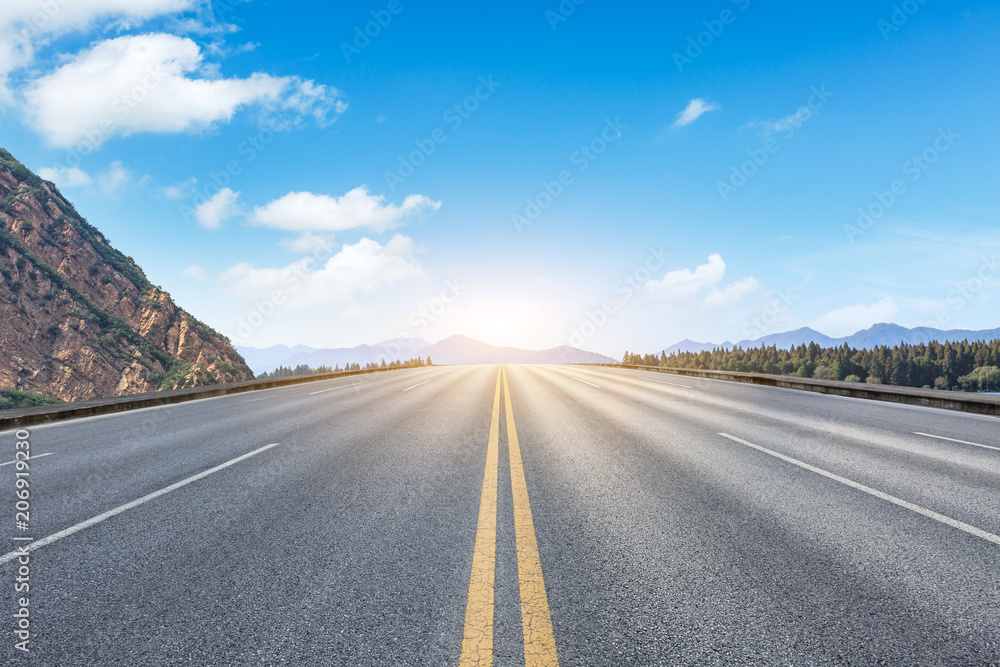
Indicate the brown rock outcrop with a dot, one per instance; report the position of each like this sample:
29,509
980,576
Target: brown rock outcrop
78,319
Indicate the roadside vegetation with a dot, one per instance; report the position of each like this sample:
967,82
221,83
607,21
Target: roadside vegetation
961,366
303,369
10,400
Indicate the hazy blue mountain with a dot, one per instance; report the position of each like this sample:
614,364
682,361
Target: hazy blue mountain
457,350
893,334
879,334
788,339
462,350
688,345
266,359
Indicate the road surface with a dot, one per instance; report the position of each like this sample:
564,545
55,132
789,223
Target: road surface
542,515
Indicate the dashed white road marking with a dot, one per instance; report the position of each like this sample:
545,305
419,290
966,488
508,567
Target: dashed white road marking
32,458
418,384
584,381
343,386
962,442
55,537
930,514
672,384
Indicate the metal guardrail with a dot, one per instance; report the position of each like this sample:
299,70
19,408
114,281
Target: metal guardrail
934,398
21,417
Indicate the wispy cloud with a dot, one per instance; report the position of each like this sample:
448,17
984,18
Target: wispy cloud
694,110
195,272
110,183
213,212
701,288
307,212
361,268
851,319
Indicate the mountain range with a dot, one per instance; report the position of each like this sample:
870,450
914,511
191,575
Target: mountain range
875,336
455,350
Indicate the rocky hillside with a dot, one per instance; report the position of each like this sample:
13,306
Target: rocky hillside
78,319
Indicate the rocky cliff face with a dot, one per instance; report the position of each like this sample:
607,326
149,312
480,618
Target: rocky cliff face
78,319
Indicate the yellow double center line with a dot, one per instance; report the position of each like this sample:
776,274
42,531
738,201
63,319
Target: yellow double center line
536,623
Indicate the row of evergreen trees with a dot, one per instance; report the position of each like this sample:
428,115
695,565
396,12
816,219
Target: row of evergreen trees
961,366
303,369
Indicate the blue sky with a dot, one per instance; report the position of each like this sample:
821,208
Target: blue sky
288,181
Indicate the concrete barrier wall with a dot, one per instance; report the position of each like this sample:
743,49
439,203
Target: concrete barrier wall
22,417
933,398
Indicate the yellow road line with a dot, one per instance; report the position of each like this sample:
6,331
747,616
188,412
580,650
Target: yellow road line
539,642
477,638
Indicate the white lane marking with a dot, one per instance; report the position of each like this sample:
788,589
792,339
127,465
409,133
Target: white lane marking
36,456
972,530
672,384
584,381
417,385
55,537
963,442
343,386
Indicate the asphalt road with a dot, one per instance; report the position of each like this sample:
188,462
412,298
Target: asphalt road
641,519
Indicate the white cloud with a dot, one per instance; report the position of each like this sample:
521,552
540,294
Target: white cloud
114,180
685,283
309,244
693,111
305,211
149,83
361,268
195,272
213,212
732,293
792,120
29,25
110,182
700,287
851,319
181,190
63,177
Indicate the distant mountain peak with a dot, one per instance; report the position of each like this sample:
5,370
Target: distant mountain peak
457,349
881,334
